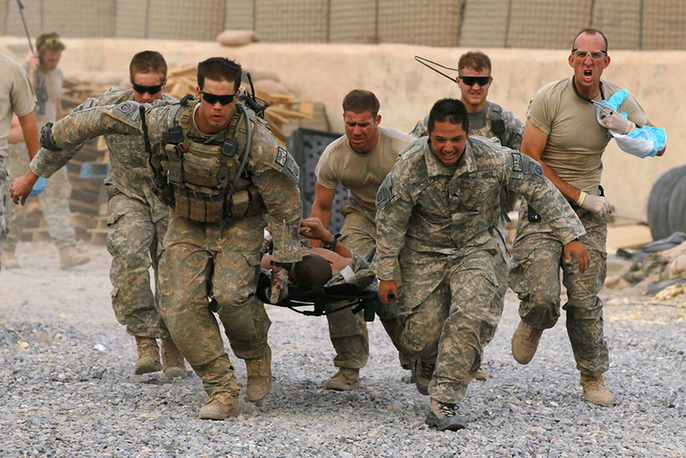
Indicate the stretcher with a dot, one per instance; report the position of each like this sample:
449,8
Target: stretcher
323,300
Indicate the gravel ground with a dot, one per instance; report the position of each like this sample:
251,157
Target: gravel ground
67,386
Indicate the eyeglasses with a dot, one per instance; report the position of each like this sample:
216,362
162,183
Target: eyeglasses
472,80
152,90
595,55
222,99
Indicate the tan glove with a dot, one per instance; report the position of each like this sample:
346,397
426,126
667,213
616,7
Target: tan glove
279,288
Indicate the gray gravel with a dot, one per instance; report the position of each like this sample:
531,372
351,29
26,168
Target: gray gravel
67,386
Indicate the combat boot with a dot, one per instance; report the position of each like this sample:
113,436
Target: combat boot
595,391
70,257
481,374
148,356
343,380
259,376
8,260
220,406
444,416
172,361
423,371
525,342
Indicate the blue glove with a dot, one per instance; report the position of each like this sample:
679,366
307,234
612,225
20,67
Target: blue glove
38,186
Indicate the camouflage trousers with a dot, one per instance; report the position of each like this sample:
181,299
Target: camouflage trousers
535,277
221,261
451,305
4,197
54,203
348,331
137,229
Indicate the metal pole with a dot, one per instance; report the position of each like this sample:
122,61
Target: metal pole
26,29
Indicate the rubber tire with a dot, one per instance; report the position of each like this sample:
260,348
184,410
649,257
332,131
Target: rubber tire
659,202
676,209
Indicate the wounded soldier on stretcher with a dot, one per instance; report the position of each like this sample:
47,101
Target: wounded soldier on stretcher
333,265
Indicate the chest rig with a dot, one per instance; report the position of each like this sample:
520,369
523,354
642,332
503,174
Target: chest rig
208,180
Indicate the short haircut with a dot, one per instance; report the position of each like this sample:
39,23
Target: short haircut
474,59
148,62
590,31
451,110
359,101
49,42
218,69
313,270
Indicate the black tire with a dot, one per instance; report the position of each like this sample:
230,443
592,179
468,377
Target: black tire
677,207
660,203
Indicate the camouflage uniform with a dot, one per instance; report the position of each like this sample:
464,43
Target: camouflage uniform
54,201
441,223
220,260
138,221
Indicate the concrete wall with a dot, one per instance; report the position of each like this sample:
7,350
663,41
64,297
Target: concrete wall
407,90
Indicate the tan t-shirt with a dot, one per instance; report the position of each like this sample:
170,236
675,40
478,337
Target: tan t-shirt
16,96
576,141
361,174
52,82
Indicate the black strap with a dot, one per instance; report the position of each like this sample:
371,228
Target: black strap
576,91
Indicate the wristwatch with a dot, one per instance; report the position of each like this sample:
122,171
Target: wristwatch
332,245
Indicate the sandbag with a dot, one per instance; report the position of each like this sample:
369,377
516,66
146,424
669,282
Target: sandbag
237,37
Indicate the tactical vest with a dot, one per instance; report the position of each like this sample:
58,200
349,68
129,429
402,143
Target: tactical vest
207,179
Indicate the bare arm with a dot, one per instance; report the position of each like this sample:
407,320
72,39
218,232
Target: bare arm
533,143
321,208
21,187
313,229
16,135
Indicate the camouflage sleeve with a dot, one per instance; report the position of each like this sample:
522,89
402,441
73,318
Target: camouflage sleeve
515,130
419,129
71,131
393,210
525,176
276,175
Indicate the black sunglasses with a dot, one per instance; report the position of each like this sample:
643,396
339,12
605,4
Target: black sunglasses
471,80
152,90
222,99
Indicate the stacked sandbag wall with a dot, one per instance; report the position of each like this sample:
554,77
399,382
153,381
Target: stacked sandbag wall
539,24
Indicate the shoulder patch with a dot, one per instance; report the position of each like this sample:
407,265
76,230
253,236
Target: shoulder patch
281,157
288,165
129,109
84,106
385,192
517,162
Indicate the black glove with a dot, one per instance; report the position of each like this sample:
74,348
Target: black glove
46,138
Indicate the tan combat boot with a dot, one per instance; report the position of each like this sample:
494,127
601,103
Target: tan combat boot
259,376
343,380
444,416
220,406
148,356
525,342
8,260
70,257
423,372
595,391
172,361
